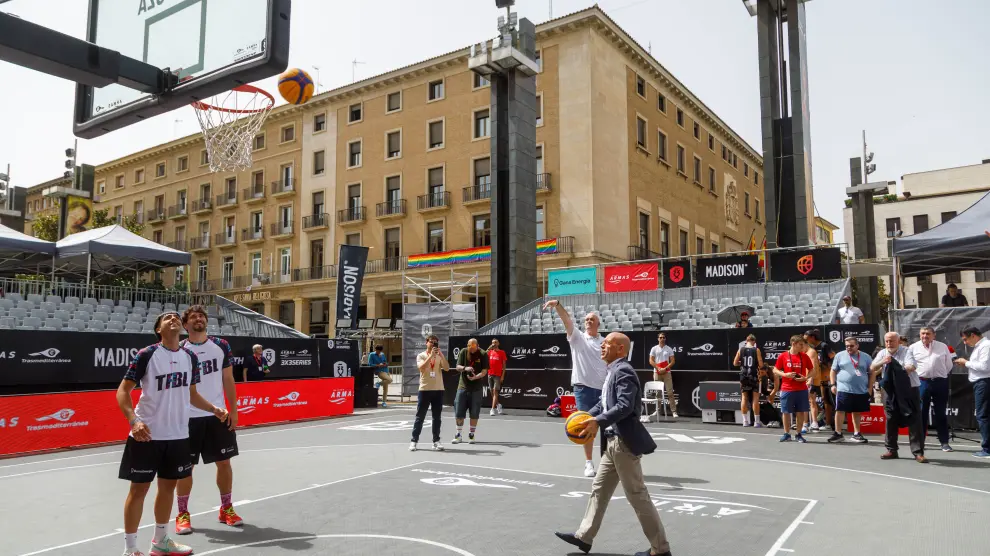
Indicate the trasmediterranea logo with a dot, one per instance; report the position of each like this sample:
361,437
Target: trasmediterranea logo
705,350
62,418
553,351
289,400
49,355
61,415
535,392
340,396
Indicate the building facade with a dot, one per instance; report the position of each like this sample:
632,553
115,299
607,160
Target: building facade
824,231
929,199
631,165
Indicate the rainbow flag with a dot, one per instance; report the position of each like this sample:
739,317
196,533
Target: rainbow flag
546,246
472,255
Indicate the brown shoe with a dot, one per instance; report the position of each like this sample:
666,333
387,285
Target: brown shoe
920,459
889,455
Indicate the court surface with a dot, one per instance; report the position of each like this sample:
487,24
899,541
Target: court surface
349,486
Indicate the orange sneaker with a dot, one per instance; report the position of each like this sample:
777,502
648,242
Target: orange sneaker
183,526
230,517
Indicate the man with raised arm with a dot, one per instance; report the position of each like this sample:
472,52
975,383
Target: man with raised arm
158,443
588,372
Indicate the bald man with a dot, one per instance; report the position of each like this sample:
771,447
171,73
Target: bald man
624,441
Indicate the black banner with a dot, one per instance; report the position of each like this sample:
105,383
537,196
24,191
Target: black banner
524,351
350,275
772,340
867,334
736,269
339,357
696,350
808,264
677,274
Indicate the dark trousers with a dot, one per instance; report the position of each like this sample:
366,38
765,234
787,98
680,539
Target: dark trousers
427,399
935,392
981,391
915,427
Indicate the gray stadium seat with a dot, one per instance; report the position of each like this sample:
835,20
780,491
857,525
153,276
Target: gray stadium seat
823,296
8,303
811,319
183,306
53,323
155,305
53,299
756,320
774,320
120,309
35,298
77,325
134,317
66,306
29,305
141,304
115,327
227,330
118,317
14,296
72,300
90,301
805,297
125,303
39,314
706,323
96,326
104,309
47,307
30,323
170,307
791,319
107,302
18,313
8,322
101,317
790,298
773,299
690,323
133,327
755,300
83,316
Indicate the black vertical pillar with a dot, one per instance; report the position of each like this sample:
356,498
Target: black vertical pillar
865,242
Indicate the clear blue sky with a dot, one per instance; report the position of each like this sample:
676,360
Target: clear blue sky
913,73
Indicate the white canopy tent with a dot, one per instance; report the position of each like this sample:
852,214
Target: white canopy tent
21,253
114,250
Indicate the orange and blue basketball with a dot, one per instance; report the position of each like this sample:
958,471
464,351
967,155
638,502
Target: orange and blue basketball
295,86
574,424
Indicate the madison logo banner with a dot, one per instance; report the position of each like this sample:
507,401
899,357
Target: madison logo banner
351,263
733,269
631,277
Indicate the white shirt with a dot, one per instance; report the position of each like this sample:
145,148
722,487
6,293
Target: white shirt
165,377
934,361
979,361
903,356
609,369
586,354
661,354
214,357
849,315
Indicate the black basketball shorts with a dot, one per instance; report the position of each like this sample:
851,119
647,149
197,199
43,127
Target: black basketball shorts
169,459
211,439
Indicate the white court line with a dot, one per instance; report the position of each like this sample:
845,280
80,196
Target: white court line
790,530
57,469
453,549
39,462
311,487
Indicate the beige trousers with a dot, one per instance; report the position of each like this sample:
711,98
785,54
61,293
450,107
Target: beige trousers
620,465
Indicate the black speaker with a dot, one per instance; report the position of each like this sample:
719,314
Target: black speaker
365,378
366,397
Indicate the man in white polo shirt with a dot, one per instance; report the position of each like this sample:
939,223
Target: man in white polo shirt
588,373
848,314
662,359
933,363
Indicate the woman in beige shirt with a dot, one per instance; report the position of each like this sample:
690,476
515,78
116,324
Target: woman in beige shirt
431,363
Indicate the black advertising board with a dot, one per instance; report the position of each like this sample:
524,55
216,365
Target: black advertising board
867,334
522,389
807,264
736,269
352,260
698,350
772,340
524,351
339,357
677,274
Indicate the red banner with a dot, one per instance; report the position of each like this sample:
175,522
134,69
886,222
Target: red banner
54,421
631,277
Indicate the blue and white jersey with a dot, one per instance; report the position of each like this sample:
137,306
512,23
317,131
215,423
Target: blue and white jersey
165,377
214,357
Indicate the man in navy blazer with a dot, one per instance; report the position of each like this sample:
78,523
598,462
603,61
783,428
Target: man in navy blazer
624,441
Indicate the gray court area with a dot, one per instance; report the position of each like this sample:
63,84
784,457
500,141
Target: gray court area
350,486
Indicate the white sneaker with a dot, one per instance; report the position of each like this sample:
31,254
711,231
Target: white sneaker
437,446
457,439
589,469
499,408
674,415
492,412
815,427
134,552
412,446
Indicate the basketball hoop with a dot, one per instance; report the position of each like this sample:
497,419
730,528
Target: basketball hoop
230,122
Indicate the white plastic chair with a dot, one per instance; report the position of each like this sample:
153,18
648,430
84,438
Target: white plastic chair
656,387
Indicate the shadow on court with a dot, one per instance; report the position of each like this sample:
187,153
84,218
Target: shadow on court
248,533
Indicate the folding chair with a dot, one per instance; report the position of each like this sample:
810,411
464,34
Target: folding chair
655,387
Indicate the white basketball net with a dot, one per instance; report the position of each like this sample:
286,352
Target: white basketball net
230,121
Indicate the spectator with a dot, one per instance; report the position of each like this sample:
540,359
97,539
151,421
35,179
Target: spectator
978,366
472,363
497,361
896,358
743,321
933,364
662,359
431,363
953,297
794,367
848,314
851,382
378,360
821,358
255,365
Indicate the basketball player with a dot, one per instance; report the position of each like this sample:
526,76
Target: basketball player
821,356
749,359
158,443
214,440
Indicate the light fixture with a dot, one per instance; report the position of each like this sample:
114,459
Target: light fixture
343,324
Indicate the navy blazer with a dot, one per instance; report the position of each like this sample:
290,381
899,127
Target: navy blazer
625,397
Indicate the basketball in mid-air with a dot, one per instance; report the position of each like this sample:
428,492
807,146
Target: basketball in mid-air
295,86
574,424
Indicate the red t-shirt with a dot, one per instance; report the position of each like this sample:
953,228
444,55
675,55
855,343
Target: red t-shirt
496,362
790,363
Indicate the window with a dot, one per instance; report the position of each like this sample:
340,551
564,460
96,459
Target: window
201,271
697,170
664,239
157,236
288,133
393,192
725,153
434,237
354,198
641,132
354,154
680,117
318,206
354,113
982,297
746,169
286,172
644,231
714,247
539,110
285,217
139,210
480,81
101,187
711,142
353,239
953,277
746,203
228,226
255,264
435,183
160,204
257,222
981,276
180,275
316,253
711,179
393,102
231,184
756,177
319,162
182,164
539,61
756,211
541,225
482,230
119,181
680,160
699,245
392,244
482,174
181,201
204,157
435,89
160,170
285,268
946,216
319,123
393,144
640,86
893,226
683,239
436,134
661,102
204,233
118,213
735,161
697,131
661,146
259,142
258,179
139,175
482,124
539,162
228,272
920,223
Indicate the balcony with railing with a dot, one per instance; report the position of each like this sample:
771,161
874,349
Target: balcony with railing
640,253
178,245
283,187
156,215
227,200
199,244
388,264
202,206
391,209
253,235
262,279
543,183
227,283
178,210
282,230
316,221
350,216
314,273
478,193
225,239
254,194
203,286
138,217
433,201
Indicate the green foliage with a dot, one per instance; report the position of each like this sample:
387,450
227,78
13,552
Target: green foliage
45,226
102,218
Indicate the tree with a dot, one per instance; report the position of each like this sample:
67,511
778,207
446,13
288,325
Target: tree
102,218
45,226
